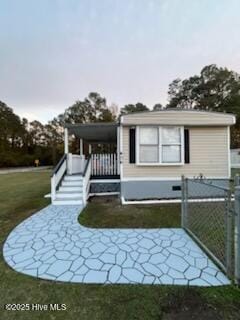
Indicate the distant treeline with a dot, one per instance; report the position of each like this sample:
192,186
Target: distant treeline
22,142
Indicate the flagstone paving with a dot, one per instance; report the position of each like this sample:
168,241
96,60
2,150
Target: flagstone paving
52,245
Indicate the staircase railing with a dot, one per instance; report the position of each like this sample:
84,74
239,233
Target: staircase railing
57,175
86,179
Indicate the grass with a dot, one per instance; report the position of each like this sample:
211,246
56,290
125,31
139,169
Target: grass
21,195
107,212
235,171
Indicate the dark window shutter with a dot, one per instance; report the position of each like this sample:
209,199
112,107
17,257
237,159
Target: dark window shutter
132,145
186,146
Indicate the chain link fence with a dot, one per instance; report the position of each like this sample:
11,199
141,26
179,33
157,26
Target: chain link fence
209,216
237,235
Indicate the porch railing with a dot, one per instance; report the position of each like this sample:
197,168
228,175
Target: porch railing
86,179
57,175
104,164
76,163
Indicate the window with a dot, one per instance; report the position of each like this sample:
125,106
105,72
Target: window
160,145
148,145
171,144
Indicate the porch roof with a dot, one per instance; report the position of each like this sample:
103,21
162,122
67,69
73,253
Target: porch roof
99,132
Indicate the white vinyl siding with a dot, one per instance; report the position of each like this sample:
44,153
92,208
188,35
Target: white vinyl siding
208,155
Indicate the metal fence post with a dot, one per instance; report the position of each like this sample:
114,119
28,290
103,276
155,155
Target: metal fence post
229,221
186,204
237,235
183,202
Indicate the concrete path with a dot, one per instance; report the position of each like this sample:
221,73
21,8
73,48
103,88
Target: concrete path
53,245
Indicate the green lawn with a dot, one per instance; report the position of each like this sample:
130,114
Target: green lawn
20,196
107,212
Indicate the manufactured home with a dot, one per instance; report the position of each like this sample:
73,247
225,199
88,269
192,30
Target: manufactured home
150,152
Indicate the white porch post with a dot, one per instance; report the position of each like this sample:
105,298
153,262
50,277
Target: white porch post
89,148
66,149
118,150
81,147
70,164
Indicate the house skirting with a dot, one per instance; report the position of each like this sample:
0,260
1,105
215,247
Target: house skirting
168,189
104,187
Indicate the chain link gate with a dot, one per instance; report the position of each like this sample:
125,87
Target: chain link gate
211,217
237,235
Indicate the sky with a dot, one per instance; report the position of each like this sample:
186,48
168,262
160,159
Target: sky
54,52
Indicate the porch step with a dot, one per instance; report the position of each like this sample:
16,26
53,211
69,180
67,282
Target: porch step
70,191
68,195
73,183
60,201
73,178
68,188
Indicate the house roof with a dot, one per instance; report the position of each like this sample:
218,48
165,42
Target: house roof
106,132
100,132
179,117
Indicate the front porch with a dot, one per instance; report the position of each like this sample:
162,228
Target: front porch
103,165
91,156
98,142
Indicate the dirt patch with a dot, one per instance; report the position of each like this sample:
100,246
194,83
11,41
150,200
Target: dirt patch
105,199
186,305
198,314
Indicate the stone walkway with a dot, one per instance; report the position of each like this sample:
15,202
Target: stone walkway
51,244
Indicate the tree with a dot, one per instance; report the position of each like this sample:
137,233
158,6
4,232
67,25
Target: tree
92,109
132,108
215,89
106,115
11,128
21,141
157,107
54,139
36,133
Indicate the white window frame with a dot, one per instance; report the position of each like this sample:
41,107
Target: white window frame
160,163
